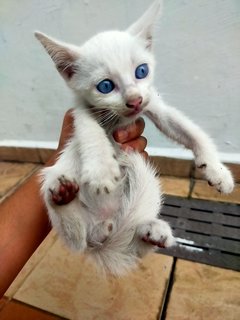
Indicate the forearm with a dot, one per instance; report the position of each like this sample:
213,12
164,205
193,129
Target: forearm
23,226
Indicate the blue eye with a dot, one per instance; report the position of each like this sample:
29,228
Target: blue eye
141,71
105,86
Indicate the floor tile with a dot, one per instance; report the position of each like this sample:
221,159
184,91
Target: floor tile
202,190
13,173
68,285
204,292
31,264
175,186
18,311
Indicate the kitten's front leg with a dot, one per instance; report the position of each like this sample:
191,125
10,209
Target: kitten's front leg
100,170
179,128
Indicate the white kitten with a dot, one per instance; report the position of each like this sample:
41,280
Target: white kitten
114,214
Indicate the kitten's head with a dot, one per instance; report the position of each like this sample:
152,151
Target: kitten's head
111,71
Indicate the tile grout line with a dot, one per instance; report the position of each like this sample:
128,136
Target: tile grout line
192,183
168,291
192,180
170,282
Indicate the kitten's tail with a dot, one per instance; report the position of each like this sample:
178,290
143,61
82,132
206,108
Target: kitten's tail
141,202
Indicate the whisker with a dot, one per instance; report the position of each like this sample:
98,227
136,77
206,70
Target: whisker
101,117
113,122
109,120
106,118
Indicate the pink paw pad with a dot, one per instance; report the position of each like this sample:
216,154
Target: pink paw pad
66,192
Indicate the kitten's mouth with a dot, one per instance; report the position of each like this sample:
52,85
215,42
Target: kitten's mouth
133,112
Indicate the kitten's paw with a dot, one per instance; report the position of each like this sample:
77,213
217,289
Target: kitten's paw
157,233
218,176
102,177
63,191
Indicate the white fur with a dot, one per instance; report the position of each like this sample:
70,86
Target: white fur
120,197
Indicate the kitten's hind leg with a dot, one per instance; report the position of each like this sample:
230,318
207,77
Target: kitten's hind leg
157,233
70,221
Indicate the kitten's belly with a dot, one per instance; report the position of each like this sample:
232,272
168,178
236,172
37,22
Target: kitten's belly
103,207
107,213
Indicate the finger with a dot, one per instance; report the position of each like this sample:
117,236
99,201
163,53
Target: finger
138,144
130,132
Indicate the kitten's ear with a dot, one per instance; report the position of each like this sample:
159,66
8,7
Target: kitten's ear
64,55
143,27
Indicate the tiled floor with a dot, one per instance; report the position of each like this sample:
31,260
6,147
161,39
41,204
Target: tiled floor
57,284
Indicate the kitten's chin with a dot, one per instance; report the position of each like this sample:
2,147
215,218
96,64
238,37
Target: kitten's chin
133,113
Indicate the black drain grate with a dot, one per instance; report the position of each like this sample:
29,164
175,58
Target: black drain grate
206,231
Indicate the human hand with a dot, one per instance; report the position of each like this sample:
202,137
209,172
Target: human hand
130,137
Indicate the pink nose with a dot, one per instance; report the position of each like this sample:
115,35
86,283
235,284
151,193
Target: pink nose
135,103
